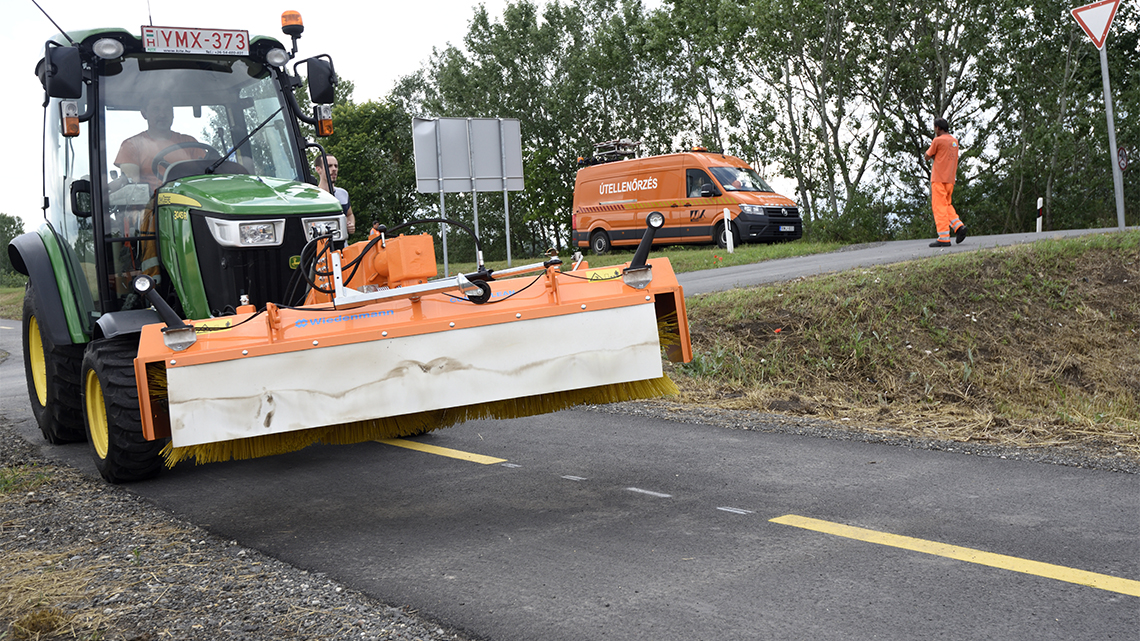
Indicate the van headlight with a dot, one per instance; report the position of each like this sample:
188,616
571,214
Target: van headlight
755,210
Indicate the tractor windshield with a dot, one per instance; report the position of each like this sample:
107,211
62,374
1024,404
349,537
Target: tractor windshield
166,117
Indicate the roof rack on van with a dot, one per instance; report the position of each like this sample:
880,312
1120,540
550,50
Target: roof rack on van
610,151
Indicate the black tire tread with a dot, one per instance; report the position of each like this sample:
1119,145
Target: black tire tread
61,418
130,457
600,234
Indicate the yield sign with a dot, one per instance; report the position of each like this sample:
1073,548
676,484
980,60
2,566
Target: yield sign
1096,18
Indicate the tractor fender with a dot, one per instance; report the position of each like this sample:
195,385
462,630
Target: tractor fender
29,257
126,322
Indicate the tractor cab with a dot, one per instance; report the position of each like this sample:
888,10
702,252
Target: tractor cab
178,153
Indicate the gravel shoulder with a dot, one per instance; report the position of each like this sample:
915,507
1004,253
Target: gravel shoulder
80,559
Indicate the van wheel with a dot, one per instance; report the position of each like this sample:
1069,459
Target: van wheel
600,242
722,238
111,411
52,372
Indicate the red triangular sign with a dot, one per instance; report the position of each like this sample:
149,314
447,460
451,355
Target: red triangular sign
1096,19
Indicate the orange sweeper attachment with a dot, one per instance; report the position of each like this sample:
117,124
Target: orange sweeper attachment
381,348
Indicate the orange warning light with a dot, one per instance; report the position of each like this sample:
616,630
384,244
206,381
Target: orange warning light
291,23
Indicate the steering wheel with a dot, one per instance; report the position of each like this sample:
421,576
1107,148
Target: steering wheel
159,158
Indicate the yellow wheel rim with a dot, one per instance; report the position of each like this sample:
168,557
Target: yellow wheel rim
36,358
96,414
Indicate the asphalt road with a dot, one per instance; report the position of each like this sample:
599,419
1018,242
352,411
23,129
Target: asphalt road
592,525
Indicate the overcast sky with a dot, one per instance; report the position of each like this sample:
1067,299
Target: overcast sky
372,44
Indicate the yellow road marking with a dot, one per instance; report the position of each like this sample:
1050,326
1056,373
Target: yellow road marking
442,451
1001,561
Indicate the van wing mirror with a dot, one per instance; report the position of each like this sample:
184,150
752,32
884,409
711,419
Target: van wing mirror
81,198
61,72
708,191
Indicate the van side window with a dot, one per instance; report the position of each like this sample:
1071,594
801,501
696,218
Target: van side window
695,179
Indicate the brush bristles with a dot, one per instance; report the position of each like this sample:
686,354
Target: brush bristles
412,424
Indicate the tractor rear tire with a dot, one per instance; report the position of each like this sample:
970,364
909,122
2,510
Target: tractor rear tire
52,372
111,413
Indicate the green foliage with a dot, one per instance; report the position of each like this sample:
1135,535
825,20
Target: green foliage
372,141
10,227
837,96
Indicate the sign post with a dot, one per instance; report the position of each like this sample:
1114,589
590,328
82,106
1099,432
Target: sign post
1096,20
469,155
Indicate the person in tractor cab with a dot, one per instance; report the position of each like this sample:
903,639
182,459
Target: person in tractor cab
137,153
135,161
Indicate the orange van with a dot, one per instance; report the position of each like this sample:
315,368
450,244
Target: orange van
692,189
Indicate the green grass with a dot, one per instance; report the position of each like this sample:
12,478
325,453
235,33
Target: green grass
11,302
684,258
22,479
1034,343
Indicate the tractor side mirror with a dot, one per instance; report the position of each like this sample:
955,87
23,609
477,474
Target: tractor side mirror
61,72
81,198
322,80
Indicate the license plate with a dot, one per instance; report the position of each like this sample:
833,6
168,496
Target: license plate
787,227
222,42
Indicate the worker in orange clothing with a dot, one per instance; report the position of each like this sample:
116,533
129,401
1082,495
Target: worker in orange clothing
944,151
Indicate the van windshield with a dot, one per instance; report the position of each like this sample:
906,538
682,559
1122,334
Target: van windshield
739,179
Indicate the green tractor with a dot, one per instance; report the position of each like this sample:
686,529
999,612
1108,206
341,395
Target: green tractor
191,296
175,154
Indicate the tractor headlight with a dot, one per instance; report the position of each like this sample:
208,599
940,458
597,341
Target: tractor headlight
335,226
107,48
257,234
253,233
277,57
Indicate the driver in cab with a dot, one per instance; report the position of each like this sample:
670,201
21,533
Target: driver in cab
137,154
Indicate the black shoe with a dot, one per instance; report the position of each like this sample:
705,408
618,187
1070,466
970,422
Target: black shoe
960,235
939,243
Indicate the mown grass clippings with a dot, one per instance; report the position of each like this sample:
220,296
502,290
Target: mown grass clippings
22,478
1032,345
45,595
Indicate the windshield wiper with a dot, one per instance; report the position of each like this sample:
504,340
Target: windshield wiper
211,168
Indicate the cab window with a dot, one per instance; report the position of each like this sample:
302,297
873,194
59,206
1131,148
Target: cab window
695,179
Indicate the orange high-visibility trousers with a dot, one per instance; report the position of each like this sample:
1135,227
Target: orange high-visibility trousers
945,218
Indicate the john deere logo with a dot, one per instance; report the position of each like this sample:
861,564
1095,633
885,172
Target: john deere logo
294,262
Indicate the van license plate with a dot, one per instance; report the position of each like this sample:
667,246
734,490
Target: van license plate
787,227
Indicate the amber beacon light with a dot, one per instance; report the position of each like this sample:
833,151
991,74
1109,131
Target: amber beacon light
291,23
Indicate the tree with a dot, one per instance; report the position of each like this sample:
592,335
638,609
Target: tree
10,227
372,142
574,75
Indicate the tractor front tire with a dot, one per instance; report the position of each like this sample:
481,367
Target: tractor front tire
111,413
52,372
